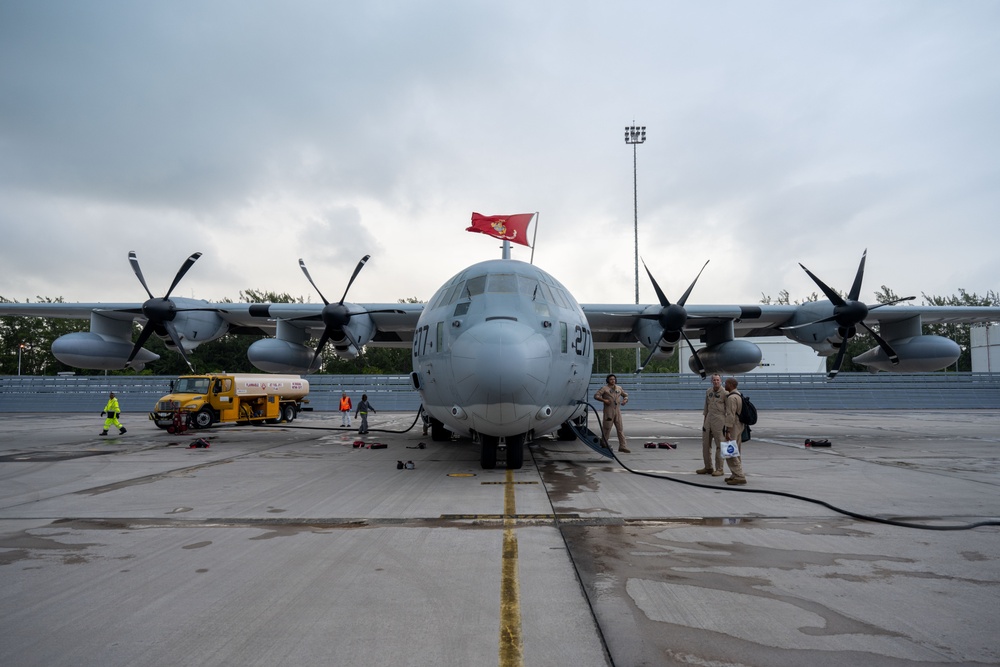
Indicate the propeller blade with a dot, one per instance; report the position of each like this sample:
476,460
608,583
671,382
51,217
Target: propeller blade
835,298
856,287
891,303
319,347
143,337
134,261
650,355
889,352
664,302
172,331
354,275
684,298
809,324
188,263
838,361
302,265
697,359
350,337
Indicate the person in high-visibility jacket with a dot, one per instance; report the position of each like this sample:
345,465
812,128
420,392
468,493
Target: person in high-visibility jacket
112,410
364,407
345,409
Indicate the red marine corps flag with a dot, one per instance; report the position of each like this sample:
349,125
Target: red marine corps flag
513,228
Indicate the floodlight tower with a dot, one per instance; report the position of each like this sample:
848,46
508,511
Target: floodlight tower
635,135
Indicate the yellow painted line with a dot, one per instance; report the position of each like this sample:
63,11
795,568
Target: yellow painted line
497,517
508,482
511,646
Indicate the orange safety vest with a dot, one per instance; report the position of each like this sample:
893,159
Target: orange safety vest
345,404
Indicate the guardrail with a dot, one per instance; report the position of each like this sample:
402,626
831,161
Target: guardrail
661,391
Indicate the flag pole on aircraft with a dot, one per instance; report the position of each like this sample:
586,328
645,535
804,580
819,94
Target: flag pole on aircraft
508,228
534,235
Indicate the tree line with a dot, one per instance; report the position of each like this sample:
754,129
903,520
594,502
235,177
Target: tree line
26,342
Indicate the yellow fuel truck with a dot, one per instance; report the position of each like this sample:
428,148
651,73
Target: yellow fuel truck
246,398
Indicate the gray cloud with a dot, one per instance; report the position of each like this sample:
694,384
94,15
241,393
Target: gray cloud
779,132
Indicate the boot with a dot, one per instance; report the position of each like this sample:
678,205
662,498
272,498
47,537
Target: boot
623,448
718,473
703,471
736,481
122,431
104,432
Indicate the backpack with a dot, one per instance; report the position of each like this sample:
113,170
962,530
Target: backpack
748,413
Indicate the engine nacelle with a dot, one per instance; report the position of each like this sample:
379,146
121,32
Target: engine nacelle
281,356
918,354
196,326
362,327
86,349
731,356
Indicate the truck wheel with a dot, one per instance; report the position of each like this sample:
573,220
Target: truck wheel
288,413
204,418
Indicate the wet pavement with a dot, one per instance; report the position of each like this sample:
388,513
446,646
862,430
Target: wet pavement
289,545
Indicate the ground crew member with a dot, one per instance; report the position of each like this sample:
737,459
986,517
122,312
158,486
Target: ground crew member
112,410
345,409
613,398
734,431
712,428
363,407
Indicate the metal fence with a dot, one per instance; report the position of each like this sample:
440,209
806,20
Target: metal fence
662,391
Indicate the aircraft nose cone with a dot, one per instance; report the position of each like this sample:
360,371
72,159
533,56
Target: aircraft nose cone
501,362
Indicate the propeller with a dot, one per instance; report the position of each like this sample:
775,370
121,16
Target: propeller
849,313
336,316
160,311
672,318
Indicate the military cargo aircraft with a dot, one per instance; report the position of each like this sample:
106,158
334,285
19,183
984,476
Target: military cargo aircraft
503,352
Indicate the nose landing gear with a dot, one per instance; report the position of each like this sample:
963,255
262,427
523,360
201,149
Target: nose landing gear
513,445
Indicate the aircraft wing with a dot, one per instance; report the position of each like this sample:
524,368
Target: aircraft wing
71,311
393,323
822,325
183,324
615,324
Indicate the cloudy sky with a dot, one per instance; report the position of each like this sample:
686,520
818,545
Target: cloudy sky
257,133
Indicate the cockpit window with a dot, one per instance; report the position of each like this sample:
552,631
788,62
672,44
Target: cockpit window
452,293
503,283
545,293
474,286
528,287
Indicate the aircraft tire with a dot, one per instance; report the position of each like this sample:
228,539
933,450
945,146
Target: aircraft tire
438,432
515,452
488,452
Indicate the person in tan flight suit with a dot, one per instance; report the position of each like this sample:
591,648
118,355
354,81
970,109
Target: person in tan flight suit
734,431
613,398
711,429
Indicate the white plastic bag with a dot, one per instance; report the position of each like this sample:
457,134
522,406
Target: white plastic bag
730,449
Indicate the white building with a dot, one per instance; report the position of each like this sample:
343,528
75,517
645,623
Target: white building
985,340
